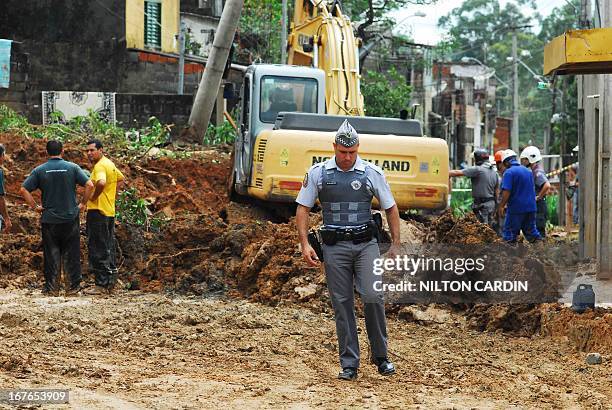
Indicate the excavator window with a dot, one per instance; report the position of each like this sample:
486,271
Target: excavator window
287,94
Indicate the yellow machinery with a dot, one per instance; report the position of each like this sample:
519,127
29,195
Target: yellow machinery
321,36
289,114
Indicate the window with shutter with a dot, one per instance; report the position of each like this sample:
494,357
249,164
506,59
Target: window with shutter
152,25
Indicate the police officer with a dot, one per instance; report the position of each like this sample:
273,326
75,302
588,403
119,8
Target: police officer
345,186
518,193
484,185
532,159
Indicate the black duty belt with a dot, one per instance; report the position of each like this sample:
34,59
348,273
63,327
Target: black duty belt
357,234
483,200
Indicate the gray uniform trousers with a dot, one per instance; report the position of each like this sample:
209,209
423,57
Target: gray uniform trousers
349,266
485,212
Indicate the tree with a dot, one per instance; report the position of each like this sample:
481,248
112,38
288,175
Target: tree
479,29
260,31
385,94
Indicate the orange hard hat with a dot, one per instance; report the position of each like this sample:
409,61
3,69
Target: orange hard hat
498,155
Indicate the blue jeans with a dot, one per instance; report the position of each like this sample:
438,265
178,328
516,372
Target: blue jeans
515,223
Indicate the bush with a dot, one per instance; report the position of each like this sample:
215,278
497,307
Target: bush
223,134
133,210
461,202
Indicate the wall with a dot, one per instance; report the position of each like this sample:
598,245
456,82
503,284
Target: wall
134,110
15,96
75,21
502,133
595,142
134,24
152,73
202,30
41,66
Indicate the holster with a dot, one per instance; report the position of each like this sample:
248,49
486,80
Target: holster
380,234
328,236
313,240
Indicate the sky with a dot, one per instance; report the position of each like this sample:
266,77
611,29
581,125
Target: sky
425,29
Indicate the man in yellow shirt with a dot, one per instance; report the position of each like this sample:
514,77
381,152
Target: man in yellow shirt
101,218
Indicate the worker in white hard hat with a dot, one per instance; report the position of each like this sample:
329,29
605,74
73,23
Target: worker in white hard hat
532,159
518,194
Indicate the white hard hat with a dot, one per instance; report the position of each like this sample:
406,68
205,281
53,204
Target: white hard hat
507,154
576,148
532,154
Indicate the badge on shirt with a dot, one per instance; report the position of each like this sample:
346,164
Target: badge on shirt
305,182
356,185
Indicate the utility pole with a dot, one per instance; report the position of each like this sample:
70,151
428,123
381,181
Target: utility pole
515,96
284,34
209,86
181,73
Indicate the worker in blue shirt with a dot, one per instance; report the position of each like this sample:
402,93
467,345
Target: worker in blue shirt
518,193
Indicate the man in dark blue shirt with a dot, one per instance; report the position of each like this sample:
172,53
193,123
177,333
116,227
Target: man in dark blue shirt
518,192
57,180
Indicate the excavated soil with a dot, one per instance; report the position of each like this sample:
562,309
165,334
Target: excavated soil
160,335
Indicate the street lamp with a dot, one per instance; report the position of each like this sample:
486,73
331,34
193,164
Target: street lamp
468,59
417,14
378,37
533,73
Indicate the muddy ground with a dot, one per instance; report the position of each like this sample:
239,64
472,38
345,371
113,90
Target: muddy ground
144,350
217,307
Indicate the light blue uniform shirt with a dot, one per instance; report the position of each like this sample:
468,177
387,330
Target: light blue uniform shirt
377,183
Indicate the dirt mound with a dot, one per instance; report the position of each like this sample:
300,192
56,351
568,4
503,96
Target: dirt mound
465,230
586,332
516,320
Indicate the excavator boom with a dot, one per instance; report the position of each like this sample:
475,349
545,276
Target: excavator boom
322,37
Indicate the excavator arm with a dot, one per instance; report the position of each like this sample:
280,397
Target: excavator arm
322,37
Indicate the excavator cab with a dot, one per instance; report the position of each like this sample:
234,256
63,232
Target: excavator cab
267,90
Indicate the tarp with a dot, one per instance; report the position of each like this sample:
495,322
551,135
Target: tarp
5,63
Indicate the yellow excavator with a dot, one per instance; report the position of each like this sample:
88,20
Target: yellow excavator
289,115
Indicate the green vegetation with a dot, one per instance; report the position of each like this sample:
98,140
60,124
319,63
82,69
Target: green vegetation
552,204
132,209
461,201
129,145
223,134
385,94
481,29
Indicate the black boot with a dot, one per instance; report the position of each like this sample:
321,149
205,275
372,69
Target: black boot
385,367
348,373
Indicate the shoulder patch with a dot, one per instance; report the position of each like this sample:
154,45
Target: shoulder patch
305,182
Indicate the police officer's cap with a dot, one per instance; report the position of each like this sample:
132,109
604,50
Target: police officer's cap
347,135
